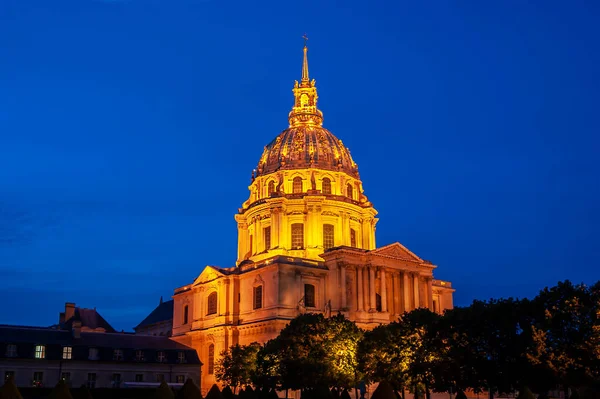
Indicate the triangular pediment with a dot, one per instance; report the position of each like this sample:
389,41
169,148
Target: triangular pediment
209,273
398,251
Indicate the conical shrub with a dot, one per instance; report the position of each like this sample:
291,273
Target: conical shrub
273,394
461,395
345,394
164,391
543,395
384,391
83,393
525,393
9,390
574,394
189,390
249,393
214,393
61,391
227,393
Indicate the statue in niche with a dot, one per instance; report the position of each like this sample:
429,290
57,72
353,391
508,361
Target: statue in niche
301,307
328,308
279,183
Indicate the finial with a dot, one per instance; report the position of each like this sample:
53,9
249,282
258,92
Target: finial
305,61
161,300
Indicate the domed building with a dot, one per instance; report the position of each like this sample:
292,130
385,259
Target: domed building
306,243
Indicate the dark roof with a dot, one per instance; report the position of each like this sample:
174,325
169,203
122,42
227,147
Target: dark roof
25,338
163,312
89,318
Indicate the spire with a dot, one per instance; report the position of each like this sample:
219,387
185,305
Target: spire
304,111
305,62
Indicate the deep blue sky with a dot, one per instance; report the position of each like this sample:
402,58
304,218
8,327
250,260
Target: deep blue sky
128,131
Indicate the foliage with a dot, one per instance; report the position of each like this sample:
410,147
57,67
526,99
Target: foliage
189,390
61,391
237,365
9,390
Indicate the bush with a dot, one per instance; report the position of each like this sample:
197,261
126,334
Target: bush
61,391
164,392
461,395
384,391
227,393
189,390
214,393
525,393
10,390
345,394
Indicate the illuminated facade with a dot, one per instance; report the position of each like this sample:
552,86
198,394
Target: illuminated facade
306,243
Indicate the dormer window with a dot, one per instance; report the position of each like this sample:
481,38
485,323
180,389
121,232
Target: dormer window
93,354
118,354
67,352
297,185
349,191
181,357
11,350
40,352
139,355
161,357
326,187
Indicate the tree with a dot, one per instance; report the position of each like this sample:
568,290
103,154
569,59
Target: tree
237,365
9,390
189,390
61,391
163,391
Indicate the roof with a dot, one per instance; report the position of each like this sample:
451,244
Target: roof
163,312
25,338
89,318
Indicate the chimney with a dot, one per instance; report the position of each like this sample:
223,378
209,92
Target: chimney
69,310
76,329
61,317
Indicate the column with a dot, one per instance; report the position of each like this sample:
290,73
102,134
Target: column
416,289
406,291
371,288
383,290
396,292
429,293
343,284
359,286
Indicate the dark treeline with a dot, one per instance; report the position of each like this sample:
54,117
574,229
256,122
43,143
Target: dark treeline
550,342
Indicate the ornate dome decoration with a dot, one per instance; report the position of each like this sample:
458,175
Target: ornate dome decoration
306,143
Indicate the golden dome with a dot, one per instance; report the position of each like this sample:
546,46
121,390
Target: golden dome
306,144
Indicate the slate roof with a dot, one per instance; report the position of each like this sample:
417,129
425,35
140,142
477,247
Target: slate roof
163,312
26,338
89,318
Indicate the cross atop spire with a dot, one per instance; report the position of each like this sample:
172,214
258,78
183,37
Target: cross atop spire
305,61
304,111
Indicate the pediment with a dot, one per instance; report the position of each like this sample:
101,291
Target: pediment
209,273
398,251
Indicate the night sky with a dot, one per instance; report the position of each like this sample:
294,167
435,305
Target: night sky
129,129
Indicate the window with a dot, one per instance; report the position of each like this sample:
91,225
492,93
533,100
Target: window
257,297
297,185
38,378
93,354
11,350
185,314
8,374
328,241
40,352
211,359
139,355
349,191
309,295
66,377
378,302
212,304
160,377
267,235
353,238
181,357
161,357
326,189
67,352
435,306
271,188
91,380
297,236
139,378
116,380
118,354
180,379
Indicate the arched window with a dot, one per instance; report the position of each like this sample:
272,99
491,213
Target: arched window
326,186
257,297
212,304
297,236
267,237
328,238
378,302
349,191
185,314
297,185
309,296
270,188
353,238
211,359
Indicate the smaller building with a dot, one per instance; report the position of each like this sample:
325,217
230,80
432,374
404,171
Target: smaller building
159,322
83,349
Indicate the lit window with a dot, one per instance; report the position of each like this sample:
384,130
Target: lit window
139,355
328,238
211,359
349,191
309,295
267,237
160,377
139,378
185,314
161,356
297,185
180,379
353,238
11,350
118,354
66,377
67,352
297,236
378,302
40,352
38,378
258,297
8,374
271,188
91,380
212,304
181,357
326,186
93,354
